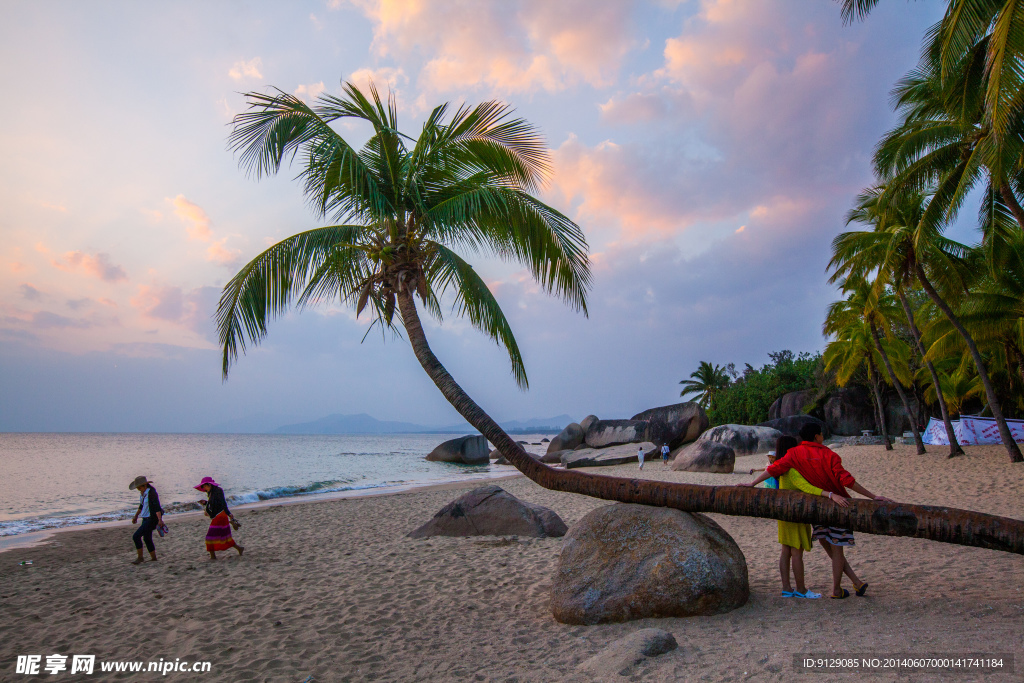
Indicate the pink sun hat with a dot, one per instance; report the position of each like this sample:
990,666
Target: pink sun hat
204,482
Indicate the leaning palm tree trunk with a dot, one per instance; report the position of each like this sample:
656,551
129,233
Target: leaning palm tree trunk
990,394
954,445
879,410
961,527
899,390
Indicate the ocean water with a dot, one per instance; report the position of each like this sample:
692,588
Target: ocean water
57,480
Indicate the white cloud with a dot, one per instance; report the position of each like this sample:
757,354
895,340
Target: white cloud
309,92
247,70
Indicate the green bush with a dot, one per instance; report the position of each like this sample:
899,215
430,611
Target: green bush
747,399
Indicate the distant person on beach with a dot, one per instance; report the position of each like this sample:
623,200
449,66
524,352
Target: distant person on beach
664,454
152,516
218,537
640,456
823,468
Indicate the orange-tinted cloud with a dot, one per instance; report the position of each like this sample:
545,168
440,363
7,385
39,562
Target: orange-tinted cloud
95,265
221,255
520,46
198,223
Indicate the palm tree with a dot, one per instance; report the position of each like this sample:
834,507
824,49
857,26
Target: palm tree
708,380
957,386
993,31
401,210
919,250
890,250
851,349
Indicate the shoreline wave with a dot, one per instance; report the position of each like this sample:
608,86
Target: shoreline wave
44,523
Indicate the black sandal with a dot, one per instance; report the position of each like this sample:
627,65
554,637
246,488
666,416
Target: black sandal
862,590
842,596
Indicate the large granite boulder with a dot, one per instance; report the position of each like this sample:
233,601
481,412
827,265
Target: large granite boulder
791,404
602,433
491,511
621,656
568,439
704,456
466,450
792,425
552,458
587,421
850,410
613,455
743,439
675,425
623,562
896,417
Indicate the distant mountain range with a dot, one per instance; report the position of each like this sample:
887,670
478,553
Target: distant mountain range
367,424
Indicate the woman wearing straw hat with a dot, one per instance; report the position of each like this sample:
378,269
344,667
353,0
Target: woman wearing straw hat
152,516
218,537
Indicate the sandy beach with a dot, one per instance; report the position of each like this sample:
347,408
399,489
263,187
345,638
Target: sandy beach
335,590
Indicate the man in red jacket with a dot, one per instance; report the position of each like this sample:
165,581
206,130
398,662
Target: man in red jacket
823,468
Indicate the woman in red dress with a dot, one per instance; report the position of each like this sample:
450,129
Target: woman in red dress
218,537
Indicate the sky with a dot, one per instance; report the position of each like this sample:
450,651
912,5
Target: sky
709,150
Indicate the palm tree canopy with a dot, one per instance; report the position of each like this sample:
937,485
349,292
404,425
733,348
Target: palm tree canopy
706,381
402,209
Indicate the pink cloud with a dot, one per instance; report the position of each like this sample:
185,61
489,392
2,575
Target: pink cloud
520,46
95,265
221,255
198,223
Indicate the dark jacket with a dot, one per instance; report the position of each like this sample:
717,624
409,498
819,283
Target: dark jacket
154,504
216,503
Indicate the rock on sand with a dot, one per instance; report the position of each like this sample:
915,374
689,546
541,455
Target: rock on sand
623,562
467,450
568,439
743,439
705,456
619,658
491,511
602,457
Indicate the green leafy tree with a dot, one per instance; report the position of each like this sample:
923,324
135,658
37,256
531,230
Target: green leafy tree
876,308
749,398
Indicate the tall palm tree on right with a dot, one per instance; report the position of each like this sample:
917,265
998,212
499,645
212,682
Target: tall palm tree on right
994,31
891,250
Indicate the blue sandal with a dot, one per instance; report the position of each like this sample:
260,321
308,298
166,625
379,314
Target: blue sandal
843,595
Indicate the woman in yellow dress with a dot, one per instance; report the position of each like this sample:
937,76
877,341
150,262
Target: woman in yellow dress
794,537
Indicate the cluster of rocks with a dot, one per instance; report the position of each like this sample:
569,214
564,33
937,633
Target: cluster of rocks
848,411
594,441
619,563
